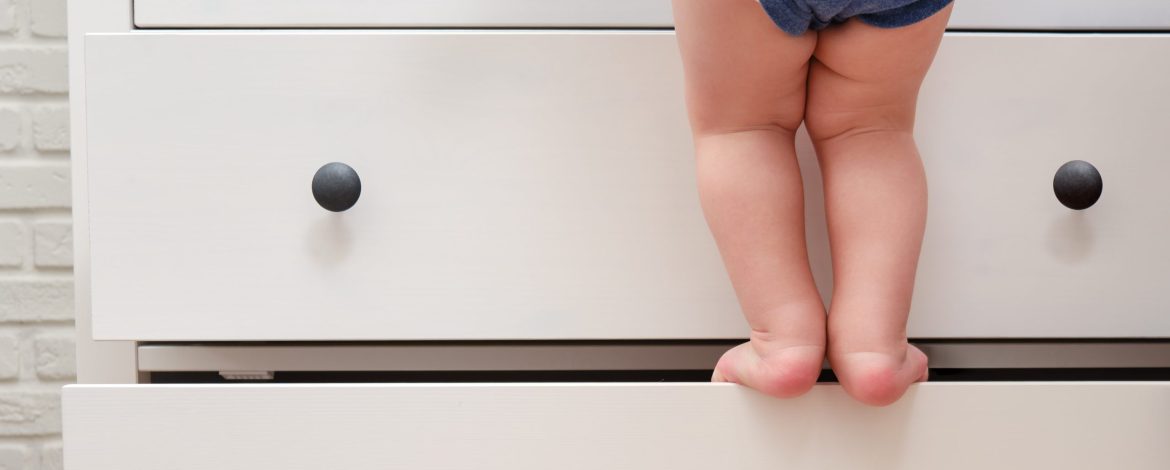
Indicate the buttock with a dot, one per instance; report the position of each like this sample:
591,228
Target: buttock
796,17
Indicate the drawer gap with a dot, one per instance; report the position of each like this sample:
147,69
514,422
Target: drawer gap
565,357
1023,30
474,376
1136,374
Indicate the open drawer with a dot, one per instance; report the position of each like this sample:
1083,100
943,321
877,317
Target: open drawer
603,426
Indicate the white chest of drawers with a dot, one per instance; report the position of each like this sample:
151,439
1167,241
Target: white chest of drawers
526,185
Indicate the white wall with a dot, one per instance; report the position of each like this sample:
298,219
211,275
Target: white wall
36,252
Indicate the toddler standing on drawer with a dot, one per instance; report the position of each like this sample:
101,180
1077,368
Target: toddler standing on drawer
850,70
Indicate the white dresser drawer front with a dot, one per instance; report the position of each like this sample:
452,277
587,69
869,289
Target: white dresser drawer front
998,115
513,186
539,185
973,14
635,426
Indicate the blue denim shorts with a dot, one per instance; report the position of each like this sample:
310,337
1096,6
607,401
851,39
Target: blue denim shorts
796,17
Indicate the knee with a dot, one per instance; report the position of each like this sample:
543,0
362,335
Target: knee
715,125
717,111
710,115
828,125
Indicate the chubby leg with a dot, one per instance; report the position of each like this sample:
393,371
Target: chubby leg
745,82
862,93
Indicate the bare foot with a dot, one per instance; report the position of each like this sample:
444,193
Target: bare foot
876,378
784,364
784,372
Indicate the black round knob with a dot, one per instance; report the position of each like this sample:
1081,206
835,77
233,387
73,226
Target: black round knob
336,186
1077,184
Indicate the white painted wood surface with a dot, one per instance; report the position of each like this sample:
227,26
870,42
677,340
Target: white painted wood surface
513,186
980,14
539,185
620,426
104,361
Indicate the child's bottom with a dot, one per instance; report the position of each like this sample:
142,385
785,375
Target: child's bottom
797,16
749,87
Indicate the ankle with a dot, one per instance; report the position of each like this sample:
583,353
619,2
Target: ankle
875,339
783,373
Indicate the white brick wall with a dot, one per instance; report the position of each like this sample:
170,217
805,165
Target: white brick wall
36,242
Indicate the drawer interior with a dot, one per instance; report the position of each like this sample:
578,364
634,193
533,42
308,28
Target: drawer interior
535,426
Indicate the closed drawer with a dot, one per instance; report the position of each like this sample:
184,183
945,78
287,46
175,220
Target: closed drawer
513,186
981,14
644,426
539,185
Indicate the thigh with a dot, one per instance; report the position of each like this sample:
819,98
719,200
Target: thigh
867,78
742,71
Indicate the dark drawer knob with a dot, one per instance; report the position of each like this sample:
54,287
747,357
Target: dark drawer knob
1077,184
336,186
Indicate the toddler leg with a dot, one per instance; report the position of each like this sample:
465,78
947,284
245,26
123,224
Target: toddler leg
862,93
745,81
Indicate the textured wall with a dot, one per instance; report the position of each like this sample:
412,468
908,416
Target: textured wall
36,245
